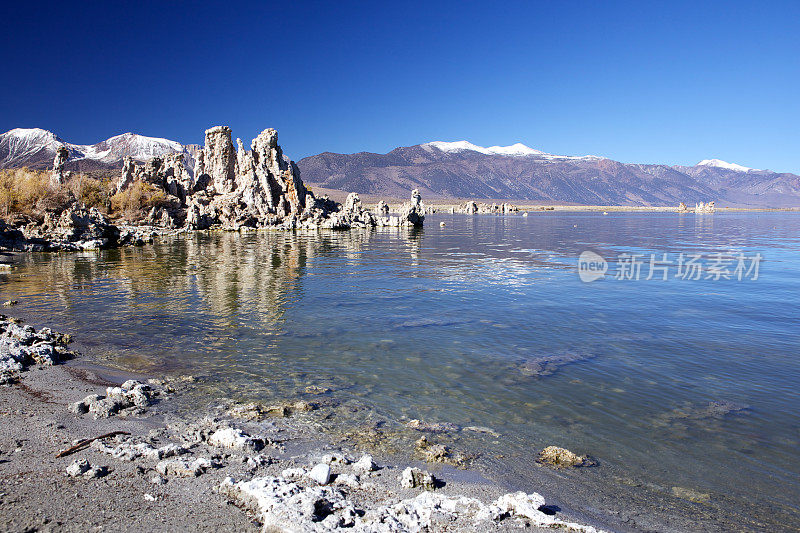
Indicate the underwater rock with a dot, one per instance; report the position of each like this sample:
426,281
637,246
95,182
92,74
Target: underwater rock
549,364
691,495
436,427
438,453
561,458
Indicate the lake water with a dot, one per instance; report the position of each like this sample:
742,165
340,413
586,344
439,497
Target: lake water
685,391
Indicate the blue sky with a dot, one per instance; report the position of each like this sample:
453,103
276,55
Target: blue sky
672,82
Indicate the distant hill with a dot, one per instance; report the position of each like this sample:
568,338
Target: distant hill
517,172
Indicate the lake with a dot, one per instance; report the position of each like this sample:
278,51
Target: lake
684,391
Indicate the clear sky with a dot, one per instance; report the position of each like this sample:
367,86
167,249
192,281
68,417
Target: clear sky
640,81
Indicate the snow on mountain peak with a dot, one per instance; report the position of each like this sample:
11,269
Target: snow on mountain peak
35,145
457,146
517,149
722,164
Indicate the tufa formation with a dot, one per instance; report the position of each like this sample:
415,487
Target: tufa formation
233,188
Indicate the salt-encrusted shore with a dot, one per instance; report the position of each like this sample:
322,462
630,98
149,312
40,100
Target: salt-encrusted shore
223,468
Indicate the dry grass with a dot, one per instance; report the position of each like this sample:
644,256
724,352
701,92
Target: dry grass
21,190
134,202
29,193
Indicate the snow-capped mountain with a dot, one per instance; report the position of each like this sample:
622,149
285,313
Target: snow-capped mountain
462,169
514,150
35,148
719,163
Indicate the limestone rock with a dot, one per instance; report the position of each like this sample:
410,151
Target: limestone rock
81,467
22,346
365,464
78,226
185,467
561,457
234,188
78,468
218,161
414,477
130,395
382,209
702,208
59,176
279,503
321,473
234,438
413,213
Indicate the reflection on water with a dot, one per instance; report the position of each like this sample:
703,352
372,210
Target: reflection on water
672,386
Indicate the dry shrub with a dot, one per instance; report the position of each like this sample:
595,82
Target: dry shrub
29,192
135,201
21,190
90,191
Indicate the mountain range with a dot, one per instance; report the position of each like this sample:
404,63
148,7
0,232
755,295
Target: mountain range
35,148
447,170
517,172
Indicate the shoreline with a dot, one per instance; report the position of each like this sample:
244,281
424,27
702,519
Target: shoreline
530,205
37,425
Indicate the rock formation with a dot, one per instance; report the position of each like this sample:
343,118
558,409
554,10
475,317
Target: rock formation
682,208
234,188
413,213
472,208
59,175
382,209
704,208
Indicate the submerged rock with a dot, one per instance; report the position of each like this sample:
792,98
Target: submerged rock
438,453
691,495
549,364
434,427
562,458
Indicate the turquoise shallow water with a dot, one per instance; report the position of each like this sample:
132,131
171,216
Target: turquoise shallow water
669,385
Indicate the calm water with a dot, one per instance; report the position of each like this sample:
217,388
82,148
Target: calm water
443,324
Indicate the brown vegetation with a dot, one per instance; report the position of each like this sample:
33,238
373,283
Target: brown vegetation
30,193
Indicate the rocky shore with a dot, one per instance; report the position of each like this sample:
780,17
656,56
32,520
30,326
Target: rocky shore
85,448
230,188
